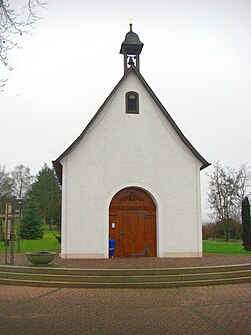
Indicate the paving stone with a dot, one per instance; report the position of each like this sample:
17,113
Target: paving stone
224,309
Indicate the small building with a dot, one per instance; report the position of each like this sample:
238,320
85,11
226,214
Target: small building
131,176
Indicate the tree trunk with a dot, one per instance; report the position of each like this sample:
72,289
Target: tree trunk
226,229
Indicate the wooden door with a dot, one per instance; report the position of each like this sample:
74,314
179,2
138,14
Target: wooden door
133,223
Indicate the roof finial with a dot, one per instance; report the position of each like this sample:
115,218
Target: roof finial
130,23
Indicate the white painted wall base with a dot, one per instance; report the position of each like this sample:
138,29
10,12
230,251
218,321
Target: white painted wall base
182,254
82,256
101,256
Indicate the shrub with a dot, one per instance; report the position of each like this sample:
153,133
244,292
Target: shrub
58,237
208,231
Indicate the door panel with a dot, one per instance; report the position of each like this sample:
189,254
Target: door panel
136,232
132,224
151,235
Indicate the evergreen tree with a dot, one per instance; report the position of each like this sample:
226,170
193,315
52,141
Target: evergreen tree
31,223
47,194
246,224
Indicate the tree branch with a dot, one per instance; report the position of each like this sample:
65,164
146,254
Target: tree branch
14,22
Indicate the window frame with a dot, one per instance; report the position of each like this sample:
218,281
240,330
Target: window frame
132,111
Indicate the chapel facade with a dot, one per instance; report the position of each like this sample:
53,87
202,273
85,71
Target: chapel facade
131,176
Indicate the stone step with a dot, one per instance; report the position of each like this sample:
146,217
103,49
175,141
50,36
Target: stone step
225,281
68,277
124,278
122,272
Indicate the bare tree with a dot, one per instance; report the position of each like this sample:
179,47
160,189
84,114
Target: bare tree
228,187
22,180
242,178
15,21
6,183
2,84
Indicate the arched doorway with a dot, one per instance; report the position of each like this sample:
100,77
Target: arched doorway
132,223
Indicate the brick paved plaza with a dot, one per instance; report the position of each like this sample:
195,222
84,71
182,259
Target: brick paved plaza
213,310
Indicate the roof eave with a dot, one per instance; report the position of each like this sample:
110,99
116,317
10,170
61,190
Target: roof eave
59,170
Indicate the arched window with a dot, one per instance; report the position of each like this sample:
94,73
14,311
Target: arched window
132,102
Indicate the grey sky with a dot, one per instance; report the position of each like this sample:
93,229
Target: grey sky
196,58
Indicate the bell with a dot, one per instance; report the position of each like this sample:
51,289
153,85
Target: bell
131,61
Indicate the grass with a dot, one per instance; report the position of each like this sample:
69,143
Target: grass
47,243
50,243
220,246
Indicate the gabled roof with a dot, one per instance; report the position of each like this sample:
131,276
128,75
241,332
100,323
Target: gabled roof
58,166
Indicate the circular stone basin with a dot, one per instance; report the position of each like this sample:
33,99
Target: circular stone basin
40,258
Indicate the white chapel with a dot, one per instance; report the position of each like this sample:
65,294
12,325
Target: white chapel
131,176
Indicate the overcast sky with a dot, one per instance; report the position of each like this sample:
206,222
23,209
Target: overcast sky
196,58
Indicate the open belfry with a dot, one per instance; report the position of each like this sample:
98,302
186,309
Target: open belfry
131,177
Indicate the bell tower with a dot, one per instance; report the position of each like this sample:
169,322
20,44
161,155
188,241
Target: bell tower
131,49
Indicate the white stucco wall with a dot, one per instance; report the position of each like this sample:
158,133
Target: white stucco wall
121,150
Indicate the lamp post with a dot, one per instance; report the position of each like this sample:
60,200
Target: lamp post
19,200
9,232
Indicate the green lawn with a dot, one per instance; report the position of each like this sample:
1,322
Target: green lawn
47,243
219,246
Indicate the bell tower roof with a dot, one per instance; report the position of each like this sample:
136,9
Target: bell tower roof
132,44
131,49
